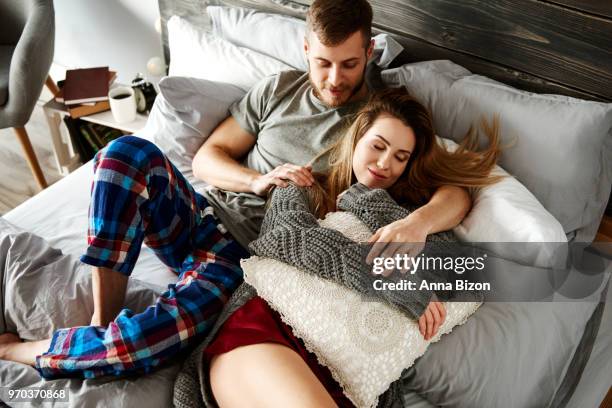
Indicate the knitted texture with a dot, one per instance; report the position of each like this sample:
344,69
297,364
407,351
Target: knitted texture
374,207
366,345
377,209
290,233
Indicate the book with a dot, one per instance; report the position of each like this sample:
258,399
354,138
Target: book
76,111
104,134
86,85
94,135
81,146
59,97
91,141
88,137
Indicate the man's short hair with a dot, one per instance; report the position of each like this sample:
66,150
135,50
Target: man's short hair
333,21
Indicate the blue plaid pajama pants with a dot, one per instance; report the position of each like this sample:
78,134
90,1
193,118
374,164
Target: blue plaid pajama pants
139,196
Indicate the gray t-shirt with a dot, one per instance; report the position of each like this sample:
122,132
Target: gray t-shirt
291,126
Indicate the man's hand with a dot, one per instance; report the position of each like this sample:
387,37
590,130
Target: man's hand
431,320
406,236
280,176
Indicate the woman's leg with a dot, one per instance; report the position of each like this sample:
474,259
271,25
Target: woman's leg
265,375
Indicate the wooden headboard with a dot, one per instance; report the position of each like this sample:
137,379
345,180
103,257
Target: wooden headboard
558,46
544,46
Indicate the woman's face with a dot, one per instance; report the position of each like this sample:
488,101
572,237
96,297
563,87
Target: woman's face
382,154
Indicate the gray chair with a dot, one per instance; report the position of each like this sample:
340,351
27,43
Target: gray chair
27,33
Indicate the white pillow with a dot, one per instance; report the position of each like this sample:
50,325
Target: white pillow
184,114
560,147
509,221
365,344
261,32
197,54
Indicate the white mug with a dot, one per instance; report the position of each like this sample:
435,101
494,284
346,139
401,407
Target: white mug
122,103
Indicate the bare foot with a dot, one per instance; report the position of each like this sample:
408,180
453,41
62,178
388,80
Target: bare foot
12,348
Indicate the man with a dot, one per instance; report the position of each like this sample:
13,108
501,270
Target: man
269,139
286,120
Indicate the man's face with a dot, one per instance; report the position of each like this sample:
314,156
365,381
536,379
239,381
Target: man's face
337,73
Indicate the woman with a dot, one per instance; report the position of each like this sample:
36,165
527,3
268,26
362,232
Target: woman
391,146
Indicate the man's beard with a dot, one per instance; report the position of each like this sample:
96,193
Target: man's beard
335,104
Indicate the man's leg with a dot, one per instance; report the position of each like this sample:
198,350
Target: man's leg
187,310
182,315
137,195
108,289
13,349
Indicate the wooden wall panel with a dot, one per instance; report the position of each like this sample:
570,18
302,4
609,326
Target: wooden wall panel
600,7
533,45
415,50
553,43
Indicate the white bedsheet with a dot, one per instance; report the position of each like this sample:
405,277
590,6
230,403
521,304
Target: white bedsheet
59,215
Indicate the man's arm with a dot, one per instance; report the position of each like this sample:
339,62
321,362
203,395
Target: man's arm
217,163
445,210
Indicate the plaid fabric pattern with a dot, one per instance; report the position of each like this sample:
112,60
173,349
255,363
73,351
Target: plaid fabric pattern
139,196
136,195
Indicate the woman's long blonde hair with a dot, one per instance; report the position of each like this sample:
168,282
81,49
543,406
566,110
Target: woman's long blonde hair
430,165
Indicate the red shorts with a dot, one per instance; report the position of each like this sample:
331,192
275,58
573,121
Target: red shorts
255,322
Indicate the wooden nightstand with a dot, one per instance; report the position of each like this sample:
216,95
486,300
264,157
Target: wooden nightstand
65,157
605,230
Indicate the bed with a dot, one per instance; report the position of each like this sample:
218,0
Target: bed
559,47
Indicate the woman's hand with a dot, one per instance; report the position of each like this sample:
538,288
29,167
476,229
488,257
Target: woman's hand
431,320
406,236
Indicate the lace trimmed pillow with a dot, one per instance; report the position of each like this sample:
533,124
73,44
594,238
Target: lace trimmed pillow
365,344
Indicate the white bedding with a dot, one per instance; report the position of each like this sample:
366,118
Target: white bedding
67,201
59,215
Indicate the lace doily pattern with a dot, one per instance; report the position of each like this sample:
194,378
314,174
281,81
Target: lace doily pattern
365,344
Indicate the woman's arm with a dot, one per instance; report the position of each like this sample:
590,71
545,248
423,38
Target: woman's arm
291,233
374,207
381,213
393,223
377,209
